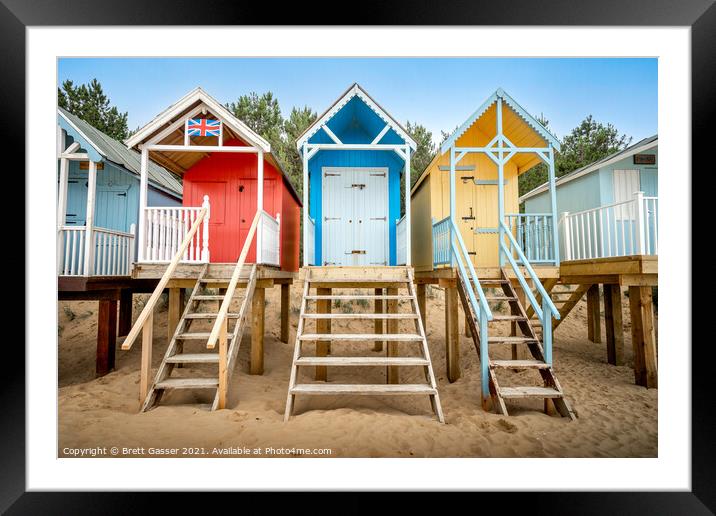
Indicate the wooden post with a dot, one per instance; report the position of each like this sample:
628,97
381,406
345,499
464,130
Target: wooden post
467,327
594,330
174,311
518,353
223,363
88,261
452,336
421,292
257,330
125,312
106,336
378,324
145,373
643,337
393,373
285,305
323,306
613,325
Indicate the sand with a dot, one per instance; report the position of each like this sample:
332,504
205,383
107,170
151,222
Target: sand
615,417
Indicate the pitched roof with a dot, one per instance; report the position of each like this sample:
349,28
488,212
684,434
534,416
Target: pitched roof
512,103
640,146
116,152
355,90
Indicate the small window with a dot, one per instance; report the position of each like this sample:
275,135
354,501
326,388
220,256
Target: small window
626,183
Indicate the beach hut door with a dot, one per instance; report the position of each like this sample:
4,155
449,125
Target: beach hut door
355,216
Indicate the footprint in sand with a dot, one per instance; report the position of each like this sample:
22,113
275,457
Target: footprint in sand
506,426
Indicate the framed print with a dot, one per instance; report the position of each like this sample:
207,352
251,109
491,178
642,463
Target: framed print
284,255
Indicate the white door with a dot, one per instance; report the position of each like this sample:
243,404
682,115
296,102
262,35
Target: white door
355,216
626,183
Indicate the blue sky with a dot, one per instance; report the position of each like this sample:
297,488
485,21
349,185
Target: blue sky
439,93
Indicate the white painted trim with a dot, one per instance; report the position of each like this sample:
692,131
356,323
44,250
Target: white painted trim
407,212
356,90
83,135
143,185
354,146
380,135
217,110
331,134
597,166
199,148
89,219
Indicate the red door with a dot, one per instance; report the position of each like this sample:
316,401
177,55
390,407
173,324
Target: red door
247,209
223,236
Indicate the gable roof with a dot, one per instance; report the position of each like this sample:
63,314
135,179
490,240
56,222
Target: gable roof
354,91
640,146
189,101
115,151
519,110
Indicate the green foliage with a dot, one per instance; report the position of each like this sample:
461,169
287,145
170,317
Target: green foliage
590,141
89,102
420,159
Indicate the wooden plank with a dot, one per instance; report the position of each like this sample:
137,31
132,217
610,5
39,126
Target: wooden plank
357,337
223,366
519,364
106,336
322,306
639,280
367,389
125,312
570,304
285,310
194,358
393,373
452,336
643,336
529,392
378,324
258,307
511,340
519,352
590,279
613,324
344,297
188,383
362,361
353,316
145,373
594,328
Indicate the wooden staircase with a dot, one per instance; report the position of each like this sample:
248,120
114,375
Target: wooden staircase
499,392
316,308
565,300
188,370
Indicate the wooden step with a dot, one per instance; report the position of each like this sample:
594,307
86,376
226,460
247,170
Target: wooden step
499,298
343,297
519,364
208,315
198,336
208,297
499,317
511,340
361,361
493,282
221,280
379,389
360,316
188,383
362,279
529,392
194,358
403,337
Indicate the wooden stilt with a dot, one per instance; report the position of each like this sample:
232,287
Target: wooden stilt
452,336
378,324
106,336
174,311
125,312
223,369
257,330
467,328
393,328
323,306
517,353
643,336
421,293
613,325
145,372
594,330
285,305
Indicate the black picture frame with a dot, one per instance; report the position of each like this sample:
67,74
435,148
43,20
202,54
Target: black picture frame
700,15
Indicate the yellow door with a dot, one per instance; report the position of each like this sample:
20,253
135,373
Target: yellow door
485,201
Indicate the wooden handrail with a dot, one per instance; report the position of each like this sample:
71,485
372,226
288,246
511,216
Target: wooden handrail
151,303
223,311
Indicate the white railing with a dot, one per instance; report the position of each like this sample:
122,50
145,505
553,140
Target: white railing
619,229
165,229
534,234
269,238
111,252
310,241
441,242
401,239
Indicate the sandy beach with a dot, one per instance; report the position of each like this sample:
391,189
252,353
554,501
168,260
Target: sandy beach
615,418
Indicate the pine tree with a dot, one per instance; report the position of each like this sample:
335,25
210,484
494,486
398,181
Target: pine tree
89,102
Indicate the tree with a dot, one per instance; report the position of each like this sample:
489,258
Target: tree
260,113
89,102
538,174
420,159
590,141
298,121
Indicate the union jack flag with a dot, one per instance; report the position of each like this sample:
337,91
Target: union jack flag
203,127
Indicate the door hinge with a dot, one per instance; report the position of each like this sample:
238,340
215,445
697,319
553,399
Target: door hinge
329,174
124,194
382,174
471,217
379,218
357,251
467,178
331,218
